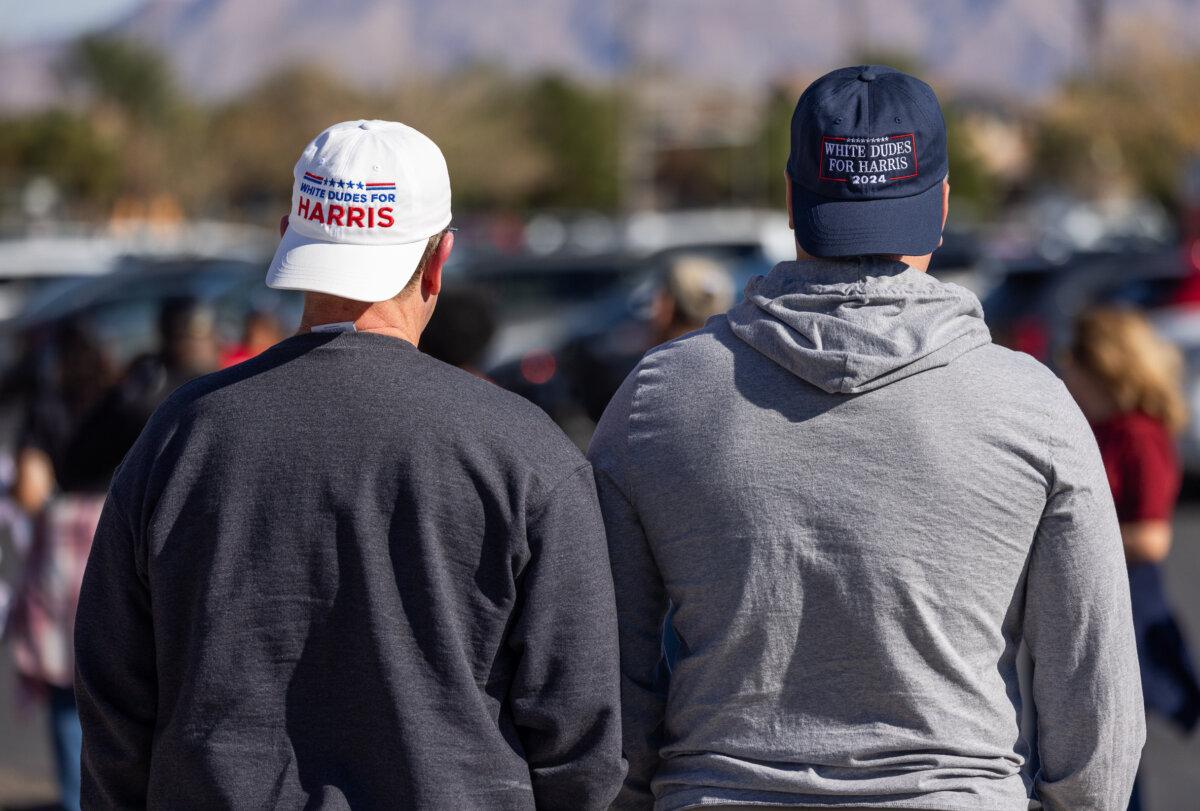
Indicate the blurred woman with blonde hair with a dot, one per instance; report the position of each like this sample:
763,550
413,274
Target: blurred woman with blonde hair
1127,381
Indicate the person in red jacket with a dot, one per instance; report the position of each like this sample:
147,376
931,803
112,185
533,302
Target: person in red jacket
1127,381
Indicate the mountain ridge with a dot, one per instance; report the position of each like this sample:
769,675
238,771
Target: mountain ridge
221,47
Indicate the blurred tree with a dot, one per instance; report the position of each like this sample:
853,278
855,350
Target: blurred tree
66,148
1127,129
131,76
972,184
479,118
138,116
259,134
696,176
515,142
577,126
775,141
901,60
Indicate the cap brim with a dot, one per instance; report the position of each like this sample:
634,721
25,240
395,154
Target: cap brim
358,272
904,226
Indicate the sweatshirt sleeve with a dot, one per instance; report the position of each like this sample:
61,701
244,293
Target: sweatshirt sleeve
641,606
115,680
564,698
1079,629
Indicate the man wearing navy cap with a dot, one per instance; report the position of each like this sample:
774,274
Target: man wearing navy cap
854,508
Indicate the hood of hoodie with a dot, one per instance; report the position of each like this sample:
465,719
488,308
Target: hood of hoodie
850,326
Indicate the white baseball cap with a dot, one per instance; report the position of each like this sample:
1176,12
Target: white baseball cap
367,197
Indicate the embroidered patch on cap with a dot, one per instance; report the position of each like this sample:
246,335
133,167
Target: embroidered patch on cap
868,161
348,203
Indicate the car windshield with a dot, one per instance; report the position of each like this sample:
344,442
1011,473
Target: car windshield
122,308
525,290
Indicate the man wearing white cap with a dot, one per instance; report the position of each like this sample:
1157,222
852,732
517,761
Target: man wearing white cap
343,574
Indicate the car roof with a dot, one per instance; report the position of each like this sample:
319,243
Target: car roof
138,277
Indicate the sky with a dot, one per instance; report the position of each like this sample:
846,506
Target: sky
32,20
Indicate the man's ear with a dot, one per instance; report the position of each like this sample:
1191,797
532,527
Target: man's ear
945,199
283,225
945,206
788,185
431,280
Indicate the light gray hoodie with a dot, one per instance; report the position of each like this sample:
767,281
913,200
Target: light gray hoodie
858,507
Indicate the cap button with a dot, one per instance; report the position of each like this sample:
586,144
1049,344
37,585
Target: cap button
366,125
867,75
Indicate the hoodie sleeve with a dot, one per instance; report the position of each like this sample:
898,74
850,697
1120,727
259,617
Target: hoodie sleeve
115,678
564,698
1079,629
641,605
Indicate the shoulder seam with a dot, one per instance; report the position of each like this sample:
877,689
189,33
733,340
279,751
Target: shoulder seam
533,515
627,435
1047,440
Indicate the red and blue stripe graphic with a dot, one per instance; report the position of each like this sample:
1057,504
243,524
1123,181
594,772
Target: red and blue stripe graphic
313,178
382,186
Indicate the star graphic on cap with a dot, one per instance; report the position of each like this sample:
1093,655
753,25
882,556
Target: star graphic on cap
329,181
360,184
341,184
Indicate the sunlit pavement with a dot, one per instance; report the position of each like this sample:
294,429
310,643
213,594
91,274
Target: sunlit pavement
1170,765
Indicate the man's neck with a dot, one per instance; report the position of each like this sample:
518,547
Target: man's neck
382,318
920,263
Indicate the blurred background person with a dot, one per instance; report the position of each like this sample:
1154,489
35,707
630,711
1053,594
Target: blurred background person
262,330
64,508
574,381
78,426
461,329
187,348
694,288
1126,380
689,290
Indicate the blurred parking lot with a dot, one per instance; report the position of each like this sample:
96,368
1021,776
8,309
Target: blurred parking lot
560,323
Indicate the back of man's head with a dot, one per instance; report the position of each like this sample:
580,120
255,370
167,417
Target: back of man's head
370,211
867,165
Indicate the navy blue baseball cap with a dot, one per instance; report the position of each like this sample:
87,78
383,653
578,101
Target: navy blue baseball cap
867,163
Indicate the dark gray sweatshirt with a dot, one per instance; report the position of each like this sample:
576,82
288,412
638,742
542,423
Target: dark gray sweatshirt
344,574
858,507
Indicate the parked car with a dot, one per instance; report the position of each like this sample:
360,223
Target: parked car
1181,326
540,301
121,309
31,265
1034,305
1032,310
